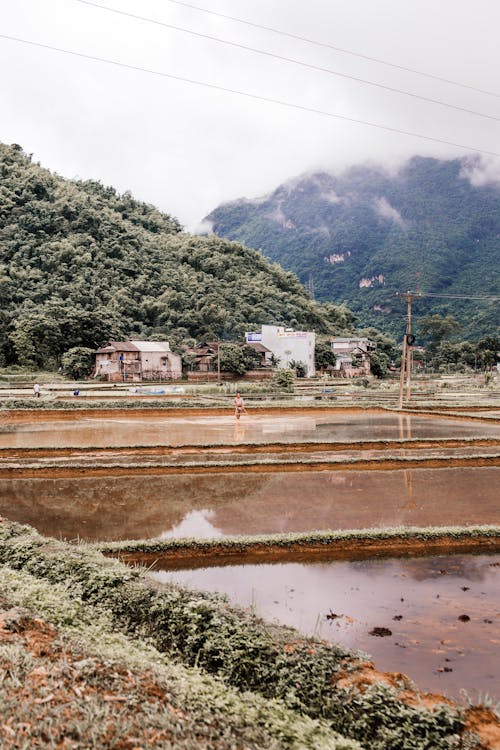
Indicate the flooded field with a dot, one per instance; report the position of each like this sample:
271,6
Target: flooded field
214,505
260,427
435,619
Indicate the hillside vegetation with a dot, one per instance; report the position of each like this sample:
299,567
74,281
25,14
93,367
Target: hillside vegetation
80,264
365,234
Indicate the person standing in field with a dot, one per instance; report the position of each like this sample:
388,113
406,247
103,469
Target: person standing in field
239,406
36,390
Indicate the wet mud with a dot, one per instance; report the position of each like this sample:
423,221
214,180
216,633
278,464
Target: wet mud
286,426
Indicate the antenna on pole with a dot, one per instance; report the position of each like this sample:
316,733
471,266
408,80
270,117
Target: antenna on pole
406,356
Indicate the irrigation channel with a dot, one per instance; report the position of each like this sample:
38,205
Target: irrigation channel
429,609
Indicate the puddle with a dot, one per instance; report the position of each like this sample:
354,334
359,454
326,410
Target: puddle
125,431
211,505
442,613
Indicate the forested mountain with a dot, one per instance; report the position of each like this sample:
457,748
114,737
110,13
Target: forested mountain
80,264
361,236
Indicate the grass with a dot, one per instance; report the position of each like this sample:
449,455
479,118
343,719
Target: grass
201,630
289,541
69,681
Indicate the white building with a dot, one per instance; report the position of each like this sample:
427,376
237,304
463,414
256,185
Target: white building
287,345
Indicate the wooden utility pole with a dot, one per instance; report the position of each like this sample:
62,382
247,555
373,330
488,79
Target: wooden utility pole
406,355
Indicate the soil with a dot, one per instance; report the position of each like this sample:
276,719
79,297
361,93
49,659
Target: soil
56,472
341,549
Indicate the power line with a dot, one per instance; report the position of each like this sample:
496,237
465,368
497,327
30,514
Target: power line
292,60
417,295
344,51
258,97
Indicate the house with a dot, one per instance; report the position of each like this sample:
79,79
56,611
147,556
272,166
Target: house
137,360
202,357
264,353
286,345
352,355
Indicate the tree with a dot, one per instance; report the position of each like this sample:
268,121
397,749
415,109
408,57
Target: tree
437,328
232,359
251,358
77,362
379,364
36,340
323,355
284,380
298,367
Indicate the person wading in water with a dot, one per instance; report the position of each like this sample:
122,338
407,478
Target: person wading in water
239,406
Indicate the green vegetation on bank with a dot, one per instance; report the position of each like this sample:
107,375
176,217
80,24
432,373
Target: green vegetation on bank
171,701
319,538
80,264
241,650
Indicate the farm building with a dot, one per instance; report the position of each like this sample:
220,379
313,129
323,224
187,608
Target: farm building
352,355
136,361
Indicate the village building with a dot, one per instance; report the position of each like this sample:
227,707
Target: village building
286,346
202,357
352,355
127,361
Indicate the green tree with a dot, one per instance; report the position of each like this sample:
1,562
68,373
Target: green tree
379,364
77,362
232,359
323,355
437,328
300,368
284,380
251,358
36,340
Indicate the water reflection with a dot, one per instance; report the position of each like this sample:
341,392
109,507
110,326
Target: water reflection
421,601
133,507
287,426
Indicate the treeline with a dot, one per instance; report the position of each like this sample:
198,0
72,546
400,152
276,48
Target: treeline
80,264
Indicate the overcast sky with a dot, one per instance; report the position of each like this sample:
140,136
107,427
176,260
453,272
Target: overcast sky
187,148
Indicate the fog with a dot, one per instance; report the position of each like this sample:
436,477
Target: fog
186,147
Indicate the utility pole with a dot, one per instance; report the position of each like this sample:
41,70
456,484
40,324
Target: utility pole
406,355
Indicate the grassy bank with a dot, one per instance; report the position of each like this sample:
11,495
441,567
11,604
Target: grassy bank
485,536
201,630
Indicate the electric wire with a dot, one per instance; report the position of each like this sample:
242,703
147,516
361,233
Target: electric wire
326,45
417,295
292,60
248,95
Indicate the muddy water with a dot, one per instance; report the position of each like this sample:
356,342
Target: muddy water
443,613
216,430
212,505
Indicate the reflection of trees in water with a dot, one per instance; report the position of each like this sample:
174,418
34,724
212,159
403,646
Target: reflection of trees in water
116,507
469,567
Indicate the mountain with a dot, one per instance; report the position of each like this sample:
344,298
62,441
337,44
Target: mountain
359,237
80,264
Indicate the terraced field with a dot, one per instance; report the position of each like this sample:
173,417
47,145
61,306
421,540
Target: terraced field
299,506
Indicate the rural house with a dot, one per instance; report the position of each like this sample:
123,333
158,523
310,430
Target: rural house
352,355
137,360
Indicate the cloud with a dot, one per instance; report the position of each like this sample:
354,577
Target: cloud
187,148
384,209
481,172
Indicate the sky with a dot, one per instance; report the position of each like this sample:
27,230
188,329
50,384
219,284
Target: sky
186,147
